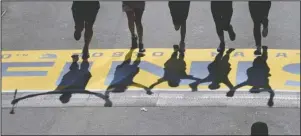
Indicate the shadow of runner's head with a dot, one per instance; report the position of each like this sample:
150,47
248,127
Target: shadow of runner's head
259,128
65,97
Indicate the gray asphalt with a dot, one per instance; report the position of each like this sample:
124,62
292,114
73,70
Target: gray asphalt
157,120
49,25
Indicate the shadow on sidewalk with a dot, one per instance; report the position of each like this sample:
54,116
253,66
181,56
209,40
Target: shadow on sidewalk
74,81
258,77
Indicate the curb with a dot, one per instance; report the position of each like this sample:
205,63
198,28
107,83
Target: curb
161,99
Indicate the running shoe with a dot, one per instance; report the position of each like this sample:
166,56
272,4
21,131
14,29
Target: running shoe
176,48
141,48
221,47
77,35
258,50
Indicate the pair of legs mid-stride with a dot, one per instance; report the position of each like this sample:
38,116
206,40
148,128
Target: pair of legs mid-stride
222,13
259,11
84,15
179,12
134,11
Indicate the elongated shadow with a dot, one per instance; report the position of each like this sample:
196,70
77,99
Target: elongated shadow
74,81
174,71
219,70
124,76
258,77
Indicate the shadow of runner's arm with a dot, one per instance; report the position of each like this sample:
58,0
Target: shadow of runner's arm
148,91
194,85
139,85
240,85
161,80
34,95
192,78
232,91
199,81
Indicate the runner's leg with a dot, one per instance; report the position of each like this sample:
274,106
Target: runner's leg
185,11
89,22
131,25
79,23
265,21
174,12
183,35
138,22
256,17
218,24
228,12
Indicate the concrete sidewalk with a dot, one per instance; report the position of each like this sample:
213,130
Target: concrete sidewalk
160,98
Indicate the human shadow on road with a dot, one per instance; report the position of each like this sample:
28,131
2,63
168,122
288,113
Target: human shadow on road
258,77
219,70
259,129
74,81
174,71
124,75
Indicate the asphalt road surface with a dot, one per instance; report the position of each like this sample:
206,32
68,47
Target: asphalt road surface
157,120
49,26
